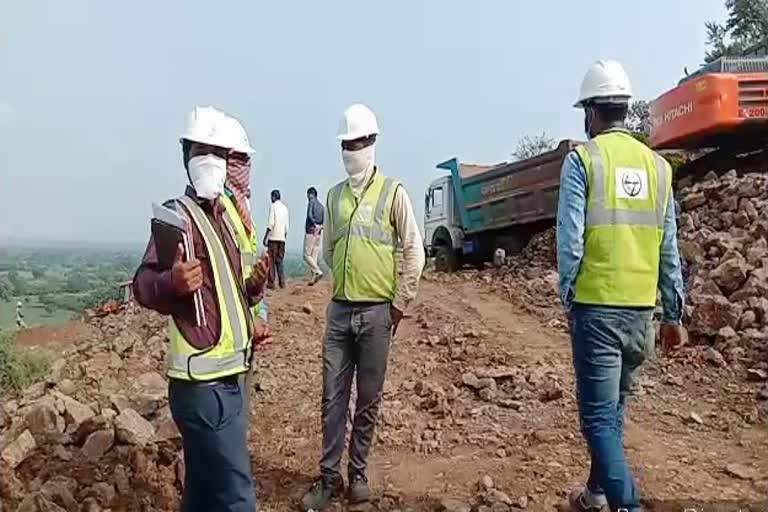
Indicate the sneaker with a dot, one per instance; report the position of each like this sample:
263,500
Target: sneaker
359,492
320,495
580,500
315,279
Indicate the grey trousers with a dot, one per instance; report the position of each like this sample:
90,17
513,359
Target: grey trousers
357,338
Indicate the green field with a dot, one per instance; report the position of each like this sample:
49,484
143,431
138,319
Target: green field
34,314
56,283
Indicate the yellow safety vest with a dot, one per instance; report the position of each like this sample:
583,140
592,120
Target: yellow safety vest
248,246
628,193
364,241
231,354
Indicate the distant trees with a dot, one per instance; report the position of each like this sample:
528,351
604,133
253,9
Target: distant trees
18,283
6,289
639,118
534,145
746,26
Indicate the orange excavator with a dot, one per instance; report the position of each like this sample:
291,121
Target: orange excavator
719,114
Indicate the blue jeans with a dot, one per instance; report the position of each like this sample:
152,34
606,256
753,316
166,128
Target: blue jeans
213,424
609,345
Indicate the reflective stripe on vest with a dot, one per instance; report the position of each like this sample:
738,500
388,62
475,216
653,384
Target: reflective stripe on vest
247,244
231,353
197,366
374,231
627,195
599,214
363,240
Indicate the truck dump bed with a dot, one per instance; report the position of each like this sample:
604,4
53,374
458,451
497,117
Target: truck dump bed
511,193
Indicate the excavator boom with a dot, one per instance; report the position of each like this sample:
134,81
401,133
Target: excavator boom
720,111
713,108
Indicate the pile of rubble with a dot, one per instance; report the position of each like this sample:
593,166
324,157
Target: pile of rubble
473,386
529,279
722,235
102,419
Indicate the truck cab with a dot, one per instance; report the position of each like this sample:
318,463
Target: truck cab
443,234
476,209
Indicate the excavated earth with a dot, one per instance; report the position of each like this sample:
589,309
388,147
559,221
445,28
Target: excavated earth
479,412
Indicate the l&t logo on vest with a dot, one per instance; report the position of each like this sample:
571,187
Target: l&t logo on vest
631,183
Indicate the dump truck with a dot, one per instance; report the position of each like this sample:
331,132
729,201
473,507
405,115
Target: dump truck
719,114
477,209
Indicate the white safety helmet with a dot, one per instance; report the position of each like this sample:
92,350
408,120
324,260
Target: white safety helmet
18,304
238,136
358,122
605,82
208,125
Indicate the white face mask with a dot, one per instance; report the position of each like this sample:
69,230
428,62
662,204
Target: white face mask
358,163
208,173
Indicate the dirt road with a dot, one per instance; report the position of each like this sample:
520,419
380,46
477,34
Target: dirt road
476,387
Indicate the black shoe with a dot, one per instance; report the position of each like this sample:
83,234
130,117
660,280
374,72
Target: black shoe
320,495
359,492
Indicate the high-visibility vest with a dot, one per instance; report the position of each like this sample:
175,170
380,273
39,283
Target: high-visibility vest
628,192
248,245
231,354
364,241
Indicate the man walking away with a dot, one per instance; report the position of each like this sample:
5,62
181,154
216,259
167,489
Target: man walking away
207,359
20,323
313,228
368,216
274,239
616,243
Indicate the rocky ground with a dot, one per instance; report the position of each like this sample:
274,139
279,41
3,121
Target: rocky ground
479,412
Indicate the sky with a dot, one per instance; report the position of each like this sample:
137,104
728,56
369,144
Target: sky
94,94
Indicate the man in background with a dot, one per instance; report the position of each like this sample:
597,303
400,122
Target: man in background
313,229
20,323
274,239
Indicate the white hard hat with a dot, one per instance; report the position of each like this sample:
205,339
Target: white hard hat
238,136
358,122
208,125
605,82
18,304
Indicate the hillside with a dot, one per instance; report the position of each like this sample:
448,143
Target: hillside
479,408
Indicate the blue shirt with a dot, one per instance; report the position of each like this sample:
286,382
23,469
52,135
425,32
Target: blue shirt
571,219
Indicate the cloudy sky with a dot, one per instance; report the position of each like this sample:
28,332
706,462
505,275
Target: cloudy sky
94,94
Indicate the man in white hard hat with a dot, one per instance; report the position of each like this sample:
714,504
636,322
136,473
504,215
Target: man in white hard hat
207,359
367,216
616,244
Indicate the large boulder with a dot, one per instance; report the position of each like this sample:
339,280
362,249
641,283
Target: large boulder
19,450
730,274
131,428
713,312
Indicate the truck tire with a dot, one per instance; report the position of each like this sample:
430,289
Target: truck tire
446,259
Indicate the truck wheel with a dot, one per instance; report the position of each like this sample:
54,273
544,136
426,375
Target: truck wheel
446,259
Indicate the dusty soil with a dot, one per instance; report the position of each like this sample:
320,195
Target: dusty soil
55,337
691,428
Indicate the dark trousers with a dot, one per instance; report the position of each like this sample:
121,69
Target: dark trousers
357,339
213,424
277,255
